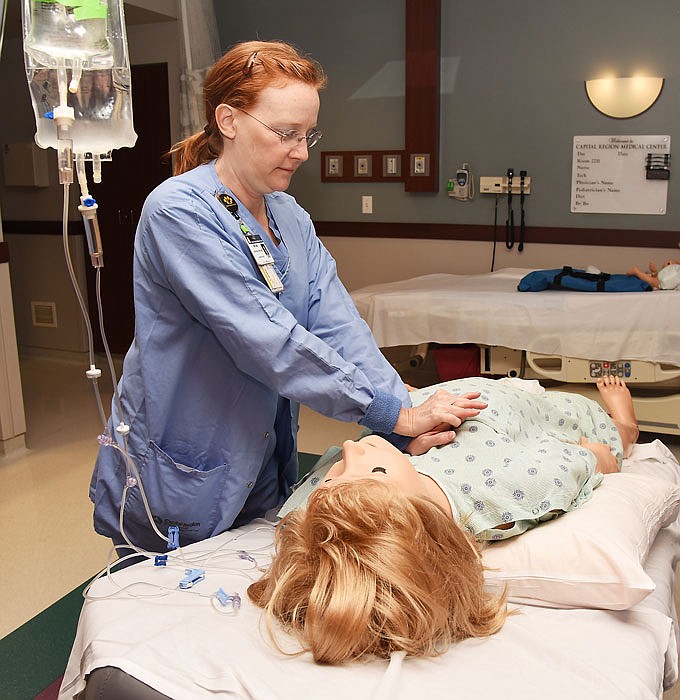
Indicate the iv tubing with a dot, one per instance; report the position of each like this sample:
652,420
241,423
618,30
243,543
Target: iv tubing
81,301
131,467
105,342
142,493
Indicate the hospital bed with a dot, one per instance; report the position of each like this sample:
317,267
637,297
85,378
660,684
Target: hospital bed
562,337
600,634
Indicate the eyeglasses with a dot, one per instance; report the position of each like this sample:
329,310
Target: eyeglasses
290,139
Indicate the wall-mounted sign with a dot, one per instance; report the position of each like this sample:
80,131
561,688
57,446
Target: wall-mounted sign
610,175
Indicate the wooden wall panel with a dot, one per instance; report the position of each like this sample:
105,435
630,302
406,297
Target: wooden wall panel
423,31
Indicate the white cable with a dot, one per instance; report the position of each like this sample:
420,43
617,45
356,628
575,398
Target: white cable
176,558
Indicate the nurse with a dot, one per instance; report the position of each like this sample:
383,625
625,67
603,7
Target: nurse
239,318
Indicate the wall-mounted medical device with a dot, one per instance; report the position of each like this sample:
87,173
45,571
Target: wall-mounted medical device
462,187
499,184
509,185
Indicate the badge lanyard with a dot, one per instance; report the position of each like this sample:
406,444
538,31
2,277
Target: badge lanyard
261,255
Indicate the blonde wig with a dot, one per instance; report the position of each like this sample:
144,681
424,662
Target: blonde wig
237,80
367,570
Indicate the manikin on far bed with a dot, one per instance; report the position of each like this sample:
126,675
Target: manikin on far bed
384,558
668,277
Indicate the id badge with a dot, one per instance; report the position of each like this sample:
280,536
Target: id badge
264,261
259,250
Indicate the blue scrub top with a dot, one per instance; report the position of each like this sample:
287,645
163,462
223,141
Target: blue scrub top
212,383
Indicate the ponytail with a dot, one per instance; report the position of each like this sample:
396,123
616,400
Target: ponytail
194,150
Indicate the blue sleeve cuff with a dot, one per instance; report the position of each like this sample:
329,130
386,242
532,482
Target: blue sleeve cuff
382,413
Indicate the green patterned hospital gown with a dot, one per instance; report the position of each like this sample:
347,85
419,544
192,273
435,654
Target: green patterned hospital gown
520,458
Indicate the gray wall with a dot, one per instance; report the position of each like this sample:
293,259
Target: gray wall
514,95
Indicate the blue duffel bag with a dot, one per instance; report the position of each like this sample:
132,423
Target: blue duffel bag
569,278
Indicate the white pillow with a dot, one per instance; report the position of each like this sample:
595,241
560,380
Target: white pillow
591,557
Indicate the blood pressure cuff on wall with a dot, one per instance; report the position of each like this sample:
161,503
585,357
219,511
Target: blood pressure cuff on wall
569,278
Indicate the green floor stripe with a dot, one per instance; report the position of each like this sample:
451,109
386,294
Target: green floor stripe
36,653
305,462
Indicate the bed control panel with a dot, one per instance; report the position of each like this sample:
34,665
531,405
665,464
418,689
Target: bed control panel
600,368
575,370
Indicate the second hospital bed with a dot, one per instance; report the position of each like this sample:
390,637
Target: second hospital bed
560,336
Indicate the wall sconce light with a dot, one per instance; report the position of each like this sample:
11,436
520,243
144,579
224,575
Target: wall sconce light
622,98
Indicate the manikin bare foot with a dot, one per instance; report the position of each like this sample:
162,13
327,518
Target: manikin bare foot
619,403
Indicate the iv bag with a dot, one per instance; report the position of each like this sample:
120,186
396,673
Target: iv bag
75,54
68,30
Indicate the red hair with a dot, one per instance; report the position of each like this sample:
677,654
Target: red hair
237,80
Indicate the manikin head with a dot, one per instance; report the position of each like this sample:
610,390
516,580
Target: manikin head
368,569
373,457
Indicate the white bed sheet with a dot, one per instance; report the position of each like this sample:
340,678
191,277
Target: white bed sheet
487,309
179,645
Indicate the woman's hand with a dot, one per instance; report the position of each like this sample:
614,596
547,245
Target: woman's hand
606,459
441,408
440,435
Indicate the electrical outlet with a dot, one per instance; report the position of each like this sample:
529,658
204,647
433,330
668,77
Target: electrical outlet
334,166
367,204
499,185
363,166
419,164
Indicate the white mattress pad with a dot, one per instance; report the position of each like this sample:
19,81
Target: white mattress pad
487,309
179,644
